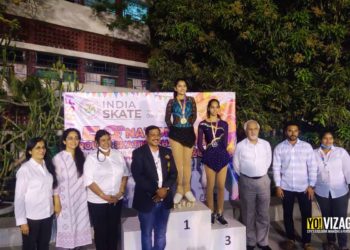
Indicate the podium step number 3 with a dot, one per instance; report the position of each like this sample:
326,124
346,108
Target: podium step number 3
190,228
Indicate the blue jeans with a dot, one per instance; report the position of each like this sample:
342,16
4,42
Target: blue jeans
156,219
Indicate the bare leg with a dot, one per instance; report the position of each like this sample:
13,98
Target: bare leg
187,169
220,183
177,150
210,187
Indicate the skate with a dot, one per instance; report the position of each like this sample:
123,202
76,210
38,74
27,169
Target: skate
178,200
190,199
220,218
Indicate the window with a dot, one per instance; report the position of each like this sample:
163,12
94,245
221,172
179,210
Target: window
136,10
92,2
102,68
51,74
46,60
71,63
6,70
109,81
75,1
137,84
138,73
14,56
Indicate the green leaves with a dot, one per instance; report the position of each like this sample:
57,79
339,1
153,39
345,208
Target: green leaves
39,101
285,60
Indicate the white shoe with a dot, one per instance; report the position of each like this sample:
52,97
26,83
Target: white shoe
177,198
190,197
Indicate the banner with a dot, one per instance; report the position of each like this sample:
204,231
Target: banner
126,114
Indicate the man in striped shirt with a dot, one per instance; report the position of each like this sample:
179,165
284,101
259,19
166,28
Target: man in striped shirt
295,173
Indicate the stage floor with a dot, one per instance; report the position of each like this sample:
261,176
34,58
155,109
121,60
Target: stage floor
276,231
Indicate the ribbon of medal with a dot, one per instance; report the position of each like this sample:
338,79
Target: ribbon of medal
214,142
183,119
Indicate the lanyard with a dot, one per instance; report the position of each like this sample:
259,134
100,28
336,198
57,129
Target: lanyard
183,107
214,129
325,158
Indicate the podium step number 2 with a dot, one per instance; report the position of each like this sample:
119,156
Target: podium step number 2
190,228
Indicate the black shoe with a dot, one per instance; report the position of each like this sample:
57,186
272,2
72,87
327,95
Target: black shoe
212,218
220,218
265,247
250,247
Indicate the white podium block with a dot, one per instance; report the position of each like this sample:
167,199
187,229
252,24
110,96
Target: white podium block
232,236
189,228
131,234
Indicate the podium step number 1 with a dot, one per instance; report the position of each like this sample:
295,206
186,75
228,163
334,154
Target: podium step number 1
190,228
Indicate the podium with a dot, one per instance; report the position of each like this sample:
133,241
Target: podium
190,228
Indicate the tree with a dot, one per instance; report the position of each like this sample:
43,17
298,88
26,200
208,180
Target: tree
285,60
39,99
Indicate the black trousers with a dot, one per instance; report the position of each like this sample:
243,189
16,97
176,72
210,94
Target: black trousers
39,234
335,207
105,219
305,211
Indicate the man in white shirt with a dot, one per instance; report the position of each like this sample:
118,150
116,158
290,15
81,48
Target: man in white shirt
295,172
252,159
153,169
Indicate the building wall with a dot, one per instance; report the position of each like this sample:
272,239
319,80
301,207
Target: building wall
66,29
46,34
76,16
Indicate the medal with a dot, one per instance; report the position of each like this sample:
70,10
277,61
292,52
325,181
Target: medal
214,144
183,119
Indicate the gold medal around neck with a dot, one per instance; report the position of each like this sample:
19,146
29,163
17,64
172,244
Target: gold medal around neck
183,120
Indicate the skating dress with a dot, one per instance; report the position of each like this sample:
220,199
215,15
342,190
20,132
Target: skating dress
178,131
215,155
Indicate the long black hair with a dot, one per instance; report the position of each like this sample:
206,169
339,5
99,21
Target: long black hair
47,158
175,84
324,132
209,104
79,157
98,136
